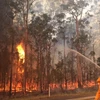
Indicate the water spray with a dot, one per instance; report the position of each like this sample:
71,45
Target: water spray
72,50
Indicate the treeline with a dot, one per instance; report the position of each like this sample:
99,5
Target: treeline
41,51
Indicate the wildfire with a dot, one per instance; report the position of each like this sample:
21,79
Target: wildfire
21,52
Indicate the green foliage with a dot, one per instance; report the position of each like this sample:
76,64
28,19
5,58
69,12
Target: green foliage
98,61
60,16
82,39
6,17
40,29
92,53
15,6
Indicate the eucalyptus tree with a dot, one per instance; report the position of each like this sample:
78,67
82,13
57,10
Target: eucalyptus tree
22,18
8,11
6,19
41,30
61,33
75,9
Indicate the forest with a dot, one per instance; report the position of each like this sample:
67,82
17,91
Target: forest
49,45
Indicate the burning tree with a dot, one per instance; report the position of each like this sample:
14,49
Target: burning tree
21,53
21,61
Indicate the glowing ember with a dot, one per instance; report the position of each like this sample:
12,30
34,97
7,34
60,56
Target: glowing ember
21,52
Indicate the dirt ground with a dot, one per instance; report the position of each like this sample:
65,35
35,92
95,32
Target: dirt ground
54,96
57,97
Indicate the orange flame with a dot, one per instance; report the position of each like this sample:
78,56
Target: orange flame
21,52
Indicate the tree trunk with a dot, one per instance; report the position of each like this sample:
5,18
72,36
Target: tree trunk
12,52
41,71
26,42
4,81
64,64
30,78
79,72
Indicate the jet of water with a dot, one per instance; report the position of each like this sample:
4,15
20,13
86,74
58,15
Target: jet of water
72,50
